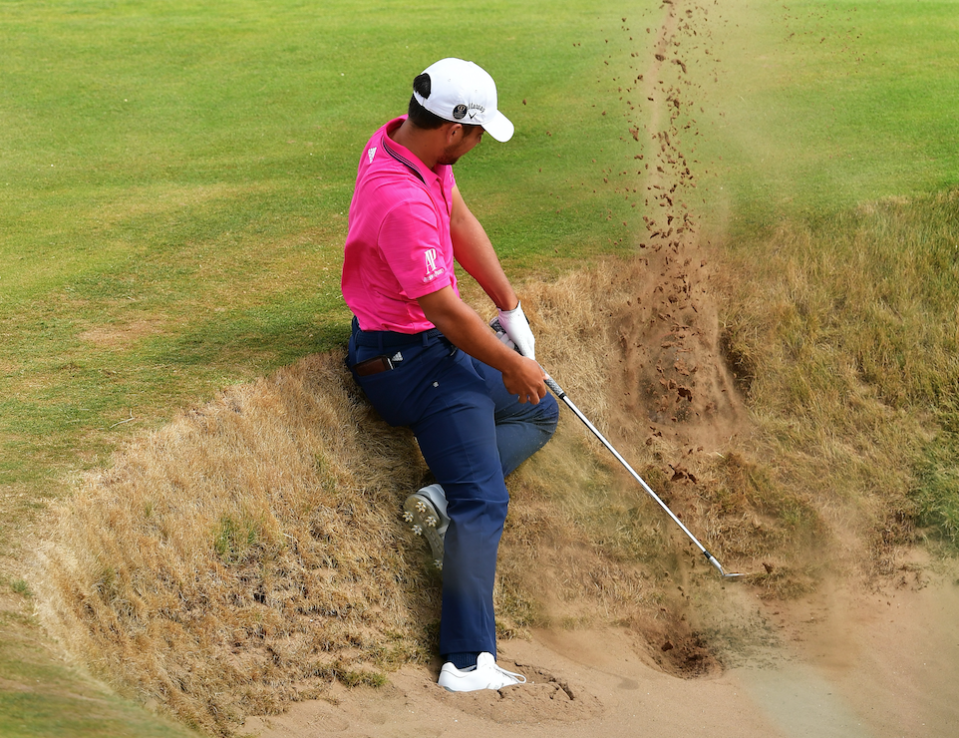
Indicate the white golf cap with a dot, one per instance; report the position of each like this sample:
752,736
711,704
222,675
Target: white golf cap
462,92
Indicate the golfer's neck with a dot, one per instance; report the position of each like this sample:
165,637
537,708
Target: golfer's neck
419,142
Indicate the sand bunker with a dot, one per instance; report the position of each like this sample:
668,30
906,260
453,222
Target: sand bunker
847,665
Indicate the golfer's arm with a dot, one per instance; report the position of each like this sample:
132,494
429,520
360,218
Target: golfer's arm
474,252
467,331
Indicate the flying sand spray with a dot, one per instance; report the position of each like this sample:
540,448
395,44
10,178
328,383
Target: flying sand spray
558,391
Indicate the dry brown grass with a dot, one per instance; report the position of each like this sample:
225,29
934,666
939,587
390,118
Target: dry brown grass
844,334
244,554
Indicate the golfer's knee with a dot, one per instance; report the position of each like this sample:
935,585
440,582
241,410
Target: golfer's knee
548,416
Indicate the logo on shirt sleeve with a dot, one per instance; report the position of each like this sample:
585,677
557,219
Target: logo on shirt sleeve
432,271
371,153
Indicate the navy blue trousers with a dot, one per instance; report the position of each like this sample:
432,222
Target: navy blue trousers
472,433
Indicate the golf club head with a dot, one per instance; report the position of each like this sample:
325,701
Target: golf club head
712,560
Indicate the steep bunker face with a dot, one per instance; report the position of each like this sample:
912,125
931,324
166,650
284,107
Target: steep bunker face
252,552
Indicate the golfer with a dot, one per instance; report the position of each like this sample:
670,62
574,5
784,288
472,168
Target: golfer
425,359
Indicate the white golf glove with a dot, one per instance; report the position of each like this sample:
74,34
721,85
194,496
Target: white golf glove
517,331
501,334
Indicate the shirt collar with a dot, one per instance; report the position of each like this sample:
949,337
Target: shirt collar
404,155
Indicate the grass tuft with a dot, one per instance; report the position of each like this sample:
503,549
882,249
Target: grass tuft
936,494
233,541
21,588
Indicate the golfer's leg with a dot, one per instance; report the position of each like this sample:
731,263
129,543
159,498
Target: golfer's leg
522,429
458,441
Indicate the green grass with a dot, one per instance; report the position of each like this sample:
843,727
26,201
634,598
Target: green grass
53,701
174,180
173,213
936,493
819,106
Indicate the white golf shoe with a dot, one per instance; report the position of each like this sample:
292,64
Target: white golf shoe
425,512
485,675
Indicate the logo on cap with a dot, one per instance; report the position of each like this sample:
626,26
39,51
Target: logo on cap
459,112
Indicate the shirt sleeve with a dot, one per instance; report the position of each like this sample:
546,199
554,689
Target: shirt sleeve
411,243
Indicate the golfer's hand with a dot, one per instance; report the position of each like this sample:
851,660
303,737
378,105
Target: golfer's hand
525,378
516,327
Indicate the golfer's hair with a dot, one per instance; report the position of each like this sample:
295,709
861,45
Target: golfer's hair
420,116
423,118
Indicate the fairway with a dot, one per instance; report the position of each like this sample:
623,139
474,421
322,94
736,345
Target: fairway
821,106
174,182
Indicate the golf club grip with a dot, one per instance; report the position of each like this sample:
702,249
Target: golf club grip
557,390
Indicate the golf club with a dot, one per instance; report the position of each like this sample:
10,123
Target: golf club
558,391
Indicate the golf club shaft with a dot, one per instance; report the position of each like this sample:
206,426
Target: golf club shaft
558,391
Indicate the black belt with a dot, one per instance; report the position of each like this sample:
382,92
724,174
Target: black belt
387,340
391,339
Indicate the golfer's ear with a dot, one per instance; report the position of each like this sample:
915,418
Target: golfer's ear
454,133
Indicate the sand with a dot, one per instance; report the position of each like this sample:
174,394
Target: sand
846,662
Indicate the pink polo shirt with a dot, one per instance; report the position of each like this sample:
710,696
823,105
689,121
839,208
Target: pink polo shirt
398,247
